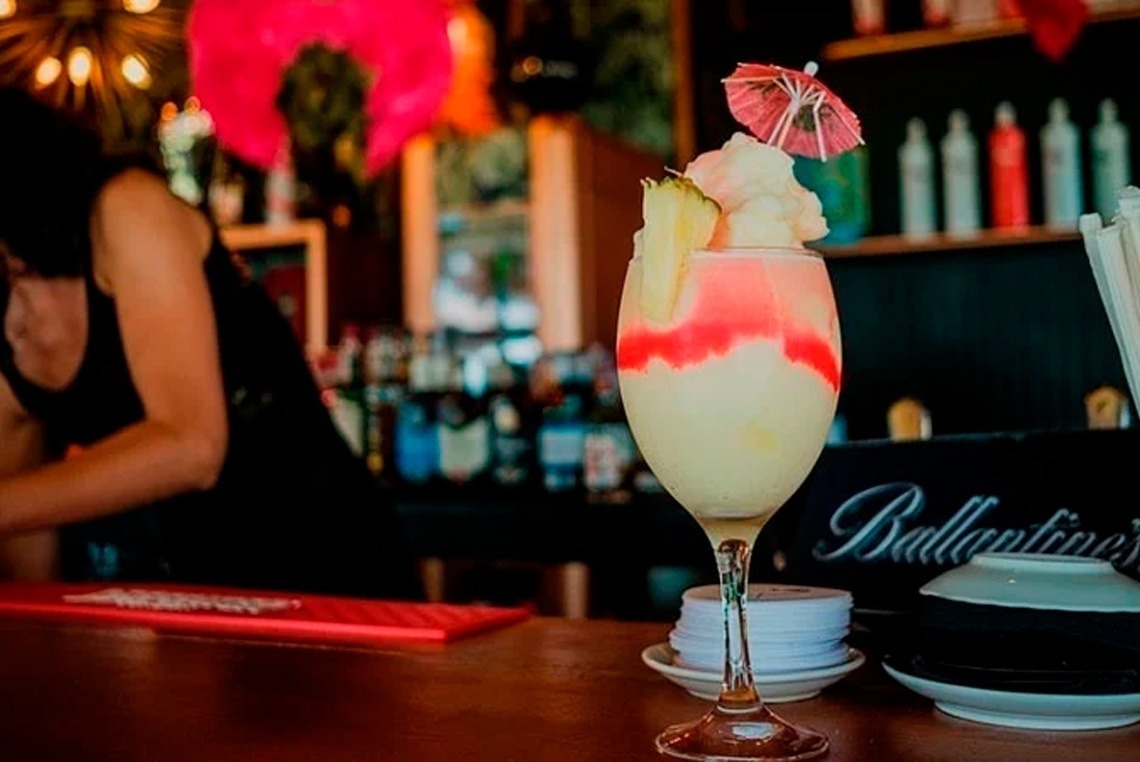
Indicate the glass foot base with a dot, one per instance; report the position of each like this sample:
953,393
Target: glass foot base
755,735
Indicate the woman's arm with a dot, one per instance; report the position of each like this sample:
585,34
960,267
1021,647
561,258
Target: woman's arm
148,250
31,556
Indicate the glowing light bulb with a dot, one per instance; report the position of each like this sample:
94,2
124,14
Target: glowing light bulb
79,65
136,71
138,6
7,9
48,71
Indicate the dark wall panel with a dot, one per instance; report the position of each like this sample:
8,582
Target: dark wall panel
990,340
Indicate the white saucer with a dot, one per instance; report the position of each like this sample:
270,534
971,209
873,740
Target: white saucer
774,688
1031,711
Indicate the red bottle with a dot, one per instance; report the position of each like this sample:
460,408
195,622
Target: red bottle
1009,172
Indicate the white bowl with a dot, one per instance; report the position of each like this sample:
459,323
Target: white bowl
1031,711
1038,581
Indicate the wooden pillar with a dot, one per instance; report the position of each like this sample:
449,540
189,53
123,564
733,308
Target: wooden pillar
419,225
555,248
684,116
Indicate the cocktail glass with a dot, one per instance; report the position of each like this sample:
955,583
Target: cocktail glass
730,402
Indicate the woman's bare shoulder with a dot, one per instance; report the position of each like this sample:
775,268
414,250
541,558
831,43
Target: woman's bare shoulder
131,191
135,206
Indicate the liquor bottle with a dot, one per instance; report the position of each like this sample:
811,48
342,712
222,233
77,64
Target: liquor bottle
961,190
383,395
644,481
869,17
1110,158
281,188
936,13
843,186
417,436
1107,408
1009,171
907,420
966,13
609,448
562,430
916,183
349,354
347,405
837,433
1061,168
512,430
464,430
373,356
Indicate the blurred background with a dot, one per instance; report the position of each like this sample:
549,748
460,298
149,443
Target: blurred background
452,257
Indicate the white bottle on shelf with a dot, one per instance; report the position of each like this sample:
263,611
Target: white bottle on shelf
916,182
281,188
1061,168
974,12
869,17
1102,6
1110,159
961,183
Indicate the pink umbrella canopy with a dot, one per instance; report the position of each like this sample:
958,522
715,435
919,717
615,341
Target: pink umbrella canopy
240,50
792,110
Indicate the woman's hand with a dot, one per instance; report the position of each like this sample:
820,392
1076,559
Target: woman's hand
147,252
31,556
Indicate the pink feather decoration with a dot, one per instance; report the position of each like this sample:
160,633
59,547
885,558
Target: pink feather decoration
240,50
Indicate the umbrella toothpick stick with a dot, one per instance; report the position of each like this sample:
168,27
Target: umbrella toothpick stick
790,109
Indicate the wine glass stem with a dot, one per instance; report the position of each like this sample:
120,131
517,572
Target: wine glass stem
738,692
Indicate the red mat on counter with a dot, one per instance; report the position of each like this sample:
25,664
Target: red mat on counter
278,616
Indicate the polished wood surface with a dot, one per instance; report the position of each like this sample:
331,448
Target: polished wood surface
547,690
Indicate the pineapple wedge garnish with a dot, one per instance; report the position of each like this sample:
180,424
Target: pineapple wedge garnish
679,219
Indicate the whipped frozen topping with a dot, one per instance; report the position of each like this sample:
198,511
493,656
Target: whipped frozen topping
762,204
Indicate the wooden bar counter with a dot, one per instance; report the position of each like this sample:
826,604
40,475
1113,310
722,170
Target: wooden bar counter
544,691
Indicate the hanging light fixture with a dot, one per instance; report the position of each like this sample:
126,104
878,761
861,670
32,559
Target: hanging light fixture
48,71
136,71
140,6
108,49
469,106
79,65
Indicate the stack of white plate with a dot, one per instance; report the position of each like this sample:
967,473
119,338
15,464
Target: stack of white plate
790,629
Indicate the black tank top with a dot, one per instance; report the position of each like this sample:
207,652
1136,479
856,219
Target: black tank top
293,509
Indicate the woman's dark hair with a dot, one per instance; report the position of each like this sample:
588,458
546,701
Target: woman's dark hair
52,166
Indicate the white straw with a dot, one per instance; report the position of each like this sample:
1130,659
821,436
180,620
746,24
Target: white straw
1090,225
1129,219
1110,244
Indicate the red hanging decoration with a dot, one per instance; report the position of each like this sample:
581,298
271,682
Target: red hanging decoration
1053,24
469,106
240,50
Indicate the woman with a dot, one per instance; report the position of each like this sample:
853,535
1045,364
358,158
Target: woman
206,453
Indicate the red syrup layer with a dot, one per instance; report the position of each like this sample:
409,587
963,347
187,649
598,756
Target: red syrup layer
736,302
